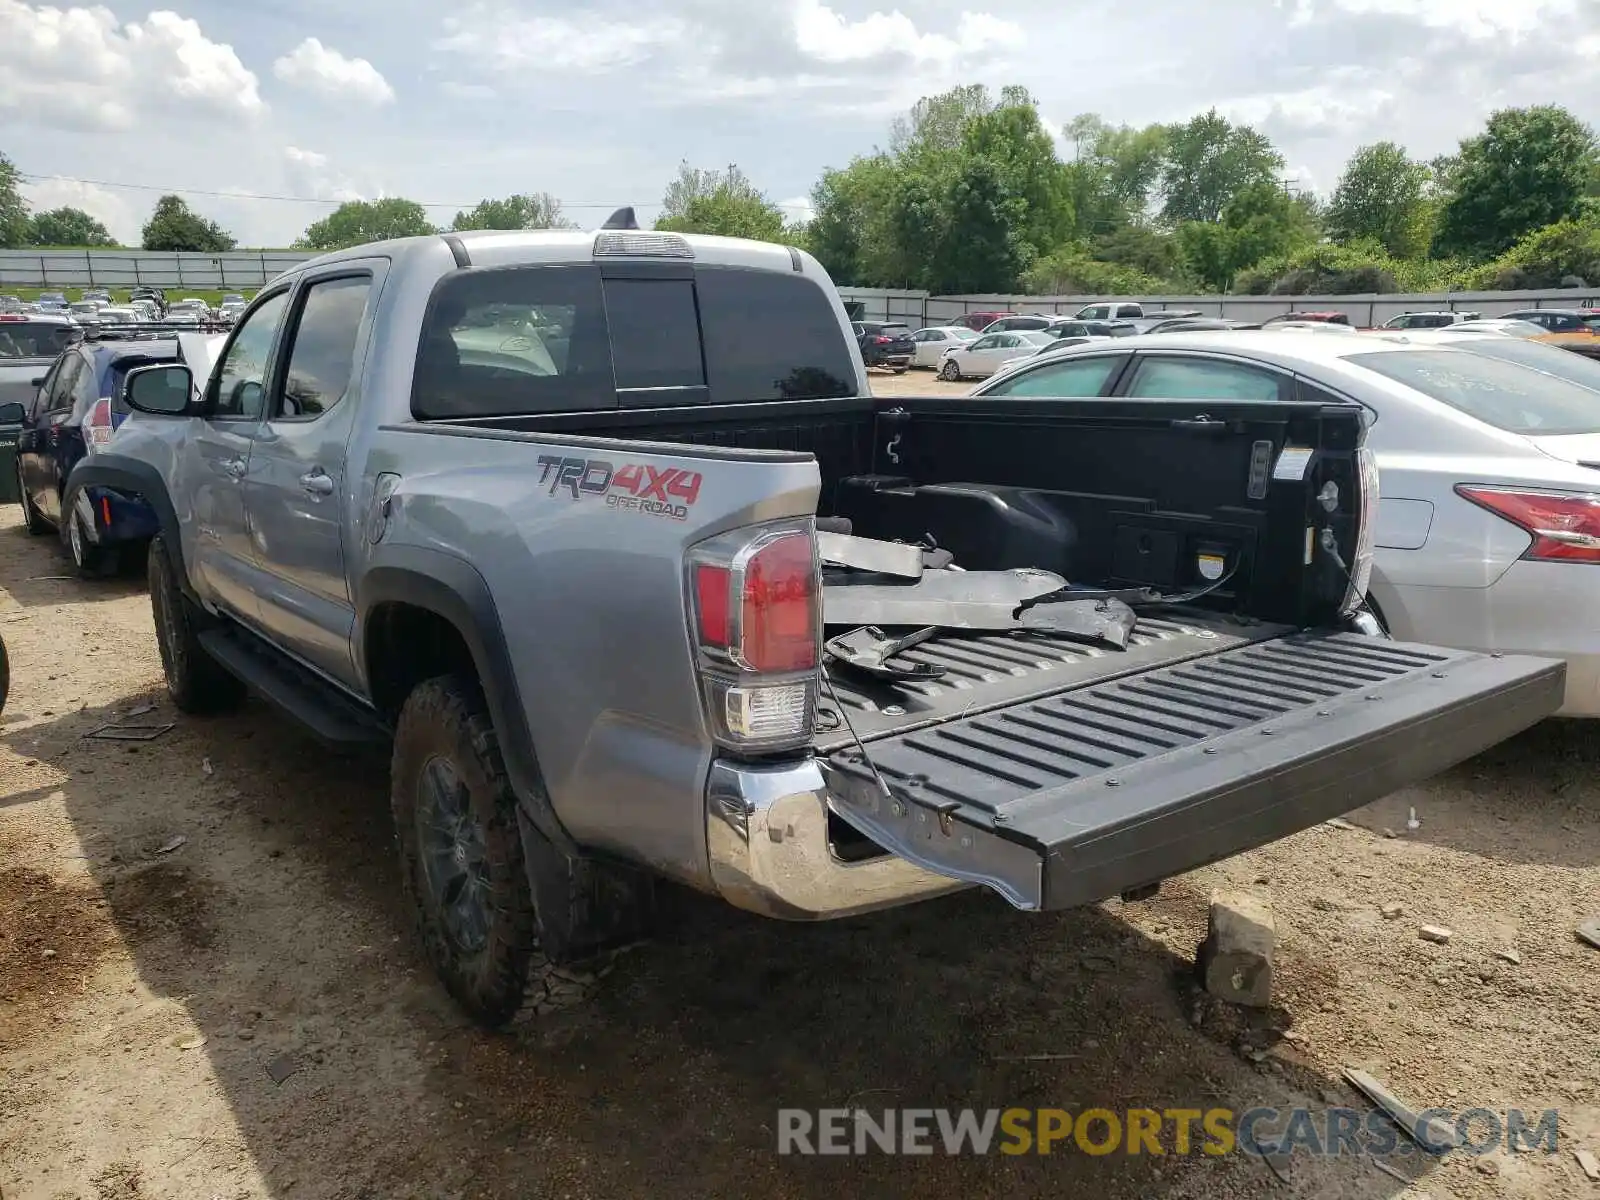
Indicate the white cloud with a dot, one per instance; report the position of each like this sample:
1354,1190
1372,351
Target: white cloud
581,44
1474,18
797,208
111,210
829,37
308,174
324,71
87,71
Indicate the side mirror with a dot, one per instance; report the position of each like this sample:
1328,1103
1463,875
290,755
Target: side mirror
162,391
12,414
39,382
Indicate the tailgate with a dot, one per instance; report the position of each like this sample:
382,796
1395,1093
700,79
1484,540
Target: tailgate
1092,792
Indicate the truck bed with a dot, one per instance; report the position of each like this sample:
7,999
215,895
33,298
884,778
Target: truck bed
987,672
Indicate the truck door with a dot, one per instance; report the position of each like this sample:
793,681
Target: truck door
295,488
219,455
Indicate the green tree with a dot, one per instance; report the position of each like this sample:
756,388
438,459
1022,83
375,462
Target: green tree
849,233
938,124
1208,160
982,249
534,210
720,202
1208,252
1382,195
1265,221
356,222
1530,167
175,226
67,227
13,208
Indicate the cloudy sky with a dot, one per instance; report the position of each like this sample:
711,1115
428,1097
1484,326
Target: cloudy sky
596,101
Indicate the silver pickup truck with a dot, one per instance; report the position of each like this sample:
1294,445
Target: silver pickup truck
541,511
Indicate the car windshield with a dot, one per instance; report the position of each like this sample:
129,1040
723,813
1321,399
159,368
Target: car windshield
1519,386
33,339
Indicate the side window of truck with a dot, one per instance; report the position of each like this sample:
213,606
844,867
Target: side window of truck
322,347
771,335
241,378
513,341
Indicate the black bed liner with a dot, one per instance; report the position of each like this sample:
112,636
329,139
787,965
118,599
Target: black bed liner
984,672
1109,786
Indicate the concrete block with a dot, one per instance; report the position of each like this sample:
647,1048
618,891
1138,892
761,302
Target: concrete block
1235,960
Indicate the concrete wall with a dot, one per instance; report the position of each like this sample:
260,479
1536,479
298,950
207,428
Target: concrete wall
70,269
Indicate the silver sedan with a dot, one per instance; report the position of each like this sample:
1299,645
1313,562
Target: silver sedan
1488,528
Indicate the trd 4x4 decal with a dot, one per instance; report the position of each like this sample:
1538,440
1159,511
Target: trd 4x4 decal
638,487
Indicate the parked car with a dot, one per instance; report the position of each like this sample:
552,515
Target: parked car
29,343
147,293
1558,320
1012,324
988,353
1071,327
1505,326
932,342
1055,346
1428,320
1488,529
979,321
1320,317
53,298
1194,325
1151,320
12,414
77,409
590,632
1110,310
886,344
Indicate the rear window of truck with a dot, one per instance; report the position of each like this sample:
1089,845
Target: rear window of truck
542,339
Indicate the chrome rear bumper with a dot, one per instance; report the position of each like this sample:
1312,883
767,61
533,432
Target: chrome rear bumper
770,851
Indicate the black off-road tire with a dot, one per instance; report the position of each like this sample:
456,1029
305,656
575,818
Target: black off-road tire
32,519
197,683
500,970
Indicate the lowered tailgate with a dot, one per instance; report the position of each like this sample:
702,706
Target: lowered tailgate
1108,787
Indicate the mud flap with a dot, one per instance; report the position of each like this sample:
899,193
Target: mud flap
1110,787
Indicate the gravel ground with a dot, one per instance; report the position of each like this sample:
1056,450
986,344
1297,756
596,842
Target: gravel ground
207,988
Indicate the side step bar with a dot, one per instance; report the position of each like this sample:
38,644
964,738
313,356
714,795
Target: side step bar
286,685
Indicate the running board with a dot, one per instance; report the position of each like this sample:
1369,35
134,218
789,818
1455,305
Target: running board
283,683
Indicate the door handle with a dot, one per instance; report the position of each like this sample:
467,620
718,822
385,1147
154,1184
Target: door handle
317,482
234,468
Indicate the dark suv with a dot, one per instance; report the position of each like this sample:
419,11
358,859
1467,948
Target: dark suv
885,344
79,405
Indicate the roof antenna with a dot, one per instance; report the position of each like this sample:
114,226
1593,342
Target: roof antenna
623,218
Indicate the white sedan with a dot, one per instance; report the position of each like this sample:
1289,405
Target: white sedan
1488,526
933,341
985,355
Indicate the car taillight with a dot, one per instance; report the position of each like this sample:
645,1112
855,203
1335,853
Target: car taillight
1366,531
755,596
1565,526
97,428
880,341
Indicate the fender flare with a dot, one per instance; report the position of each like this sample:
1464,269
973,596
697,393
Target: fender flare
112,470
453,589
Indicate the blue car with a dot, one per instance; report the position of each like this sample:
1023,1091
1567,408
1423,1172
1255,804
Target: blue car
77,409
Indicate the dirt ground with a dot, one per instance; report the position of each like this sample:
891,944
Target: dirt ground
208,987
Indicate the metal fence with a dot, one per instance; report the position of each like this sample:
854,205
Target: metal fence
1365,310
237,270
244,270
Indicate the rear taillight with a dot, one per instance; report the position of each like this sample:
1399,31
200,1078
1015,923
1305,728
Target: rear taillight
1366,530
755,596
881,341
1565,526
97,427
